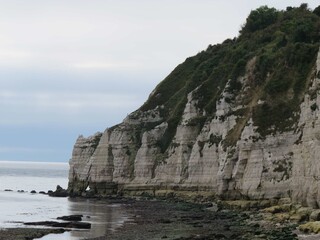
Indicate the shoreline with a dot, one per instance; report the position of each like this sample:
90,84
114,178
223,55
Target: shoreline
176,219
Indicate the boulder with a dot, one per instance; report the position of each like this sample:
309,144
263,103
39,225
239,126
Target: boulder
75,218
315,215
59,192
79,225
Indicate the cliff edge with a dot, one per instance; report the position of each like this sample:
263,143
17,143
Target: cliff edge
238,120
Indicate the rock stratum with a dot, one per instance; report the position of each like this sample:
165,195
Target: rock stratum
240,120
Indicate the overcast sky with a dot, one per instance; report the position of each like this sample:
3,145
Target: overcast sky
78,66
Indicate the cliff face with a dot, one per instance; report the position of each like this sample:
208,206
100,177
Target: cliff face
239,120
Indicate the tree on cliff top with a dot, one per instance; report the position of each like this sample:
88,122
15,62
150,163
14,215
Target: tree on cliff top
259,19
317,11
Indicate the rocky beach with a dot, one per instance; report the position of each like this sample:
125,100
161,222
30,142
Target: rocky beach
154,219
206,219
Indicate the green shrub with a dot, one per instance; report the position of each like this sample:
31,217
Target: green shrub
260,18
279,83
317,11
277,117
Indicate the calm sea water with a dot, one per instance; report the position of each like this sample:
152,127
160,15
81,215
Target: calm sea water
16,207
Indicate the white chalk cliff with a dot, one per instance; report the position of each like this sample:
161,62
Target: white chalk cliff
226,153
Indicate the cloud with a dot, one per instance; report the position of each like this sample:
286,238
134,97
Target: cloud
94,65
14,57
65,100
25,150
63,108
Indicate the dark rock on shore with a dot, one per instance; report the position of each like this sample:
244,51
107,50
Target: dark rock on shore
26,233
78,225
75,218
59,192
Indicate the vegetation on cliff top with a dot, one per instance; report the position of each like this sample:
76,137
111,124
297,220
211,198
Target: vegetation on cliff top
284,45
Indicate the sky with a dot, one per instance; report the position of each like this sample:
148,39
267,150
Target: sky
78,66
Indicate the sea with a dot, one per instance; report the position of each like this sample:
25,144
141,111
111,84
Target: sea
18,204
